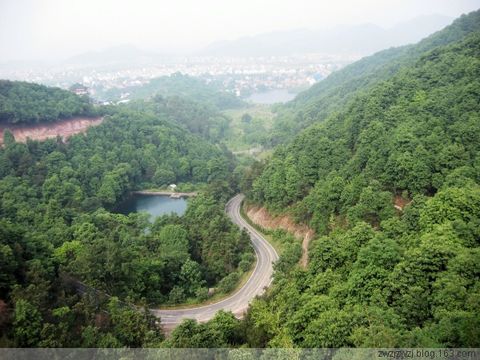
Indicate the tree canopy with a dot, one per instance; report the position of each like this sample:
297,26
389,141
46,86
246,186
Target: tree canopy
338,89
390,183
22,102
59,232
177,85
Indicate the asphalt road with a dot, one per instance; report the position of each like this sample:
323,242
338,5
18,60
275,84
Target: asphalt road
239,301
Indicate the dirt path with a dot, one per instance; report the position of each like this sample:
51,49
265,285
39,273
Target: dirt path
63,128
400,202
305,243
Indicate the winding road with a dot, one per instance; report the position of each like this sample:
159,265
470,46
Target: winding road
237,303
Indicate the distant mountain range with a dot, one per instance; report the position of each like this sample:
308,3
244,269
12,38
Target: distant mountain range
358,39
363,39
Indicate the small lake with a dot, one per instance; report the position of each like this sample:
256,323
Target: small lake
271,97
155,205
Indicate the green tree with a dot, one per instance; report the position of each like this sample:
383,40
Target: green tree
27,324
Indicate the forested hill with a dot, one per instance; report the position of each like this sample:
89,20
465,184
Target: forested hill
177,85
22,102
329,95
380,276
198,117
55,226
409,133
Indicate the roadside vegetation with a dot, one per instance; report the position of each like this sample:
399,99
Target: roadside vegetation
380,276
381,159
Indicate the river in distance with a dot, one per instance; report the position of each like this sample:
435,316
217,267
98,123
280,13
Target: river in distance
154,205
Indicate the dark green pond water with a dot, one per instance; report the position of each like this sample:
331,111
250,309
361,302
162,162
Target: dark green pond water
155,205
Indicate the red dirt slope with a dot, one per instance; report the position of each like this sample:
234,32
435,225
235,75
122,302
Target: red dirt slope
261,216
63,128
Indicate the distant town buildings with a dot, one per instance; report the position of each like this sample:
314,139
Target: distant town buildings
240,76
78,89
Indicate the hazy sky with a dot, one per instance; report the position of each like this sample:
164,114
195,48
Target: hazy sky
36,29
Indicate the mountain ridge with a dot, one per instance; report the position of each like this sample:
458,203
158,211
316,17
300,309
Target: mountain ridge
362,38
330,94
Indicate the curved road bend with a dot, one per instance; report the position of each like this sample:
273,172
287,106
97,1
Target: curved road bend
255,285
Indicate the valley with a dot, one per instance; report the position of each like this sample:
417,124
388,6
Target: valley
347,216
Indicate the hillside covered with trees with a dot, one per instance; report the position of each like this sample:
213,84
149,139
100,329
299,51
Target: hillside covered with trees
382,160
197,117
177,85
57,231
22,102
380,275
332,94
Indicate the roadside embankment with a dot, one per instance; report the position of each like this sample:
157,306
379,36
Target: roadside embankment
261,217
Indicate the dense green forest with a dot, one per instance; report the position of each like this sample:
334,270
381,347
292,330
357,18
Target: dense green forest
198,117
381,160
57,232
379,276
22,102
333,93
177,85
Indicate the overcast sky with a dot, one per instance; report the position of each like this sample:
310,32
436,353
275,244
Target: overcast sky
39,29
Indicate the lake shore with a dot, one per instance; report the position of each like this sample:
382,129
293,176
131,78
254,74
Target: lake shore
165,193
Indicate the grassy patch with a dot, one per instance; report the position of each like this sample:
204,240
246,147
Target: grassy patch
248,135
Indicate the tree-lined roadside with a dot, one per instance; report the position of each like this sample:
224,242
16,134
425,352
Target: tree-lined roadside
255,285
